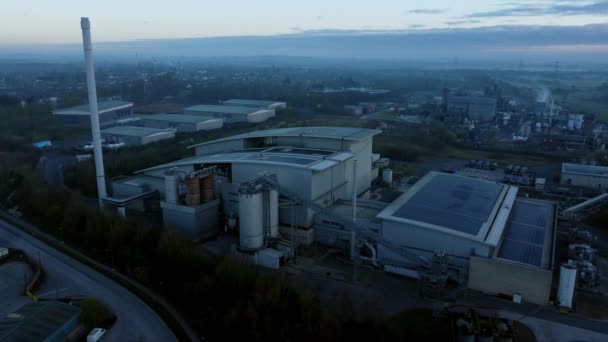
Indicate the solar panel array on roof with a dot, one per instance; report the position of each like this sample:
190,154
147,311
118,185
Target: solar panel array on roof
458,203
524,236
304,151
281,159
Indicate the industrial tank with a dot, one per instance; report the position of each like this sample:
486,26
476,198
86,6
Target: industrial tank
193,193
567,281
273,207
571,123
251,221
171,187
207,188
387,176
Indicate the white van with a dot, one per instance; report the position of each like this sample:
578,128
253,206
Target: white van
96,335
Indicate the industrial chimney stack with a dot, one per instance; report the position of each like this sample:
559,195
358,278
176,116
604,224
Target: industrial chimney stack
94,111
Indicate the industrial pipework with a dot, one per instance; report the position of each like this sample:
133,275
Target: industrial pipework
93,109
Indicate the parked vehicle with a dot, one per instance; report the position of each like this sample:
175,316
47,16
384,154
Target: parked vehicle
96,335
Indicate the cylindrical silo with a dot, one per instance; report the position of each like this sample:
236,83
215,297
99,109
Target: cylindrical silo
207,188
251,221
578,121
273,207
567,282
571,123
171,187
193,192
387,176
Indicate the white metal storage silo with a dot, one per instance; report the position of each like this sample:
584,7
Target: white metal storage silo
273,207
171,187
567,282
578,121
251,221
387,176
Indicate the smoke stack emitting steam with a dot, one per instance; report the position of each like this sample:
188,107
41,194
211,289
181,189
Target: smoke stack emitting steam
94,111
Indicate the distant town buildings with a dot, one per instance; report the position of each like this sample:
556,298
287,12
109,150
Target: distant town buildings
472,107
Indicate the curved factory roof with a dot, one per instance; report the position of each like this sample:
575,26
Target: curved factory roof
325,132
313,159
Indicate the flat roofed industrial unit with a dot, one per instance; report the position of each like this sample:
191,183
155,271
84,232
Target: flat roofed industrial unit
286,156
181,118
528,235
103,106
39,321
133,131
339,133
258,103
458,203
222,109
593,170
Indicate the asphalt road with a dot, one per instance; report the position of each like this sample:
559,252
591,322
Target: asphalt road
68,277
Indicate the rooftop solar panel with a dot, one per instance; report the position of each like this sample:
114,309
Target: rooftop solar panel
281,159
522,252
303,151
525,234
458,203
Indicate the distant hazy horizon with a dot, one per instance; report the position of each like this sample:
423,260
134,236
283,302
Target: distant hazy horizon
508,30
55,22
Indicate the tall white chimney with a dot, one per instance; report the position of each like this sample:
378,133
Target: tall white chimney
95,130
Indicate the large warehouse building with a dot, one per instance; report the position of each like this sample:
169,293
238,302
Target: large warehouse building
588,176
484,229
274,105
472,107
135,135
232,114
182,123
109,113
265,182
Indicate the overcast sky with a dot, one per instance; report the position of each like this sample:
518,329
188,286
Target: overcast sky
57,21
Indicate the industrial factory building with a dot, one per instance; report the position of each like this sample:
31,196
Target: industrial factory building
300,184
256,104
483,228
41,321
588,176
182,123
315,163
472,107
109,113
135,135
231,114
